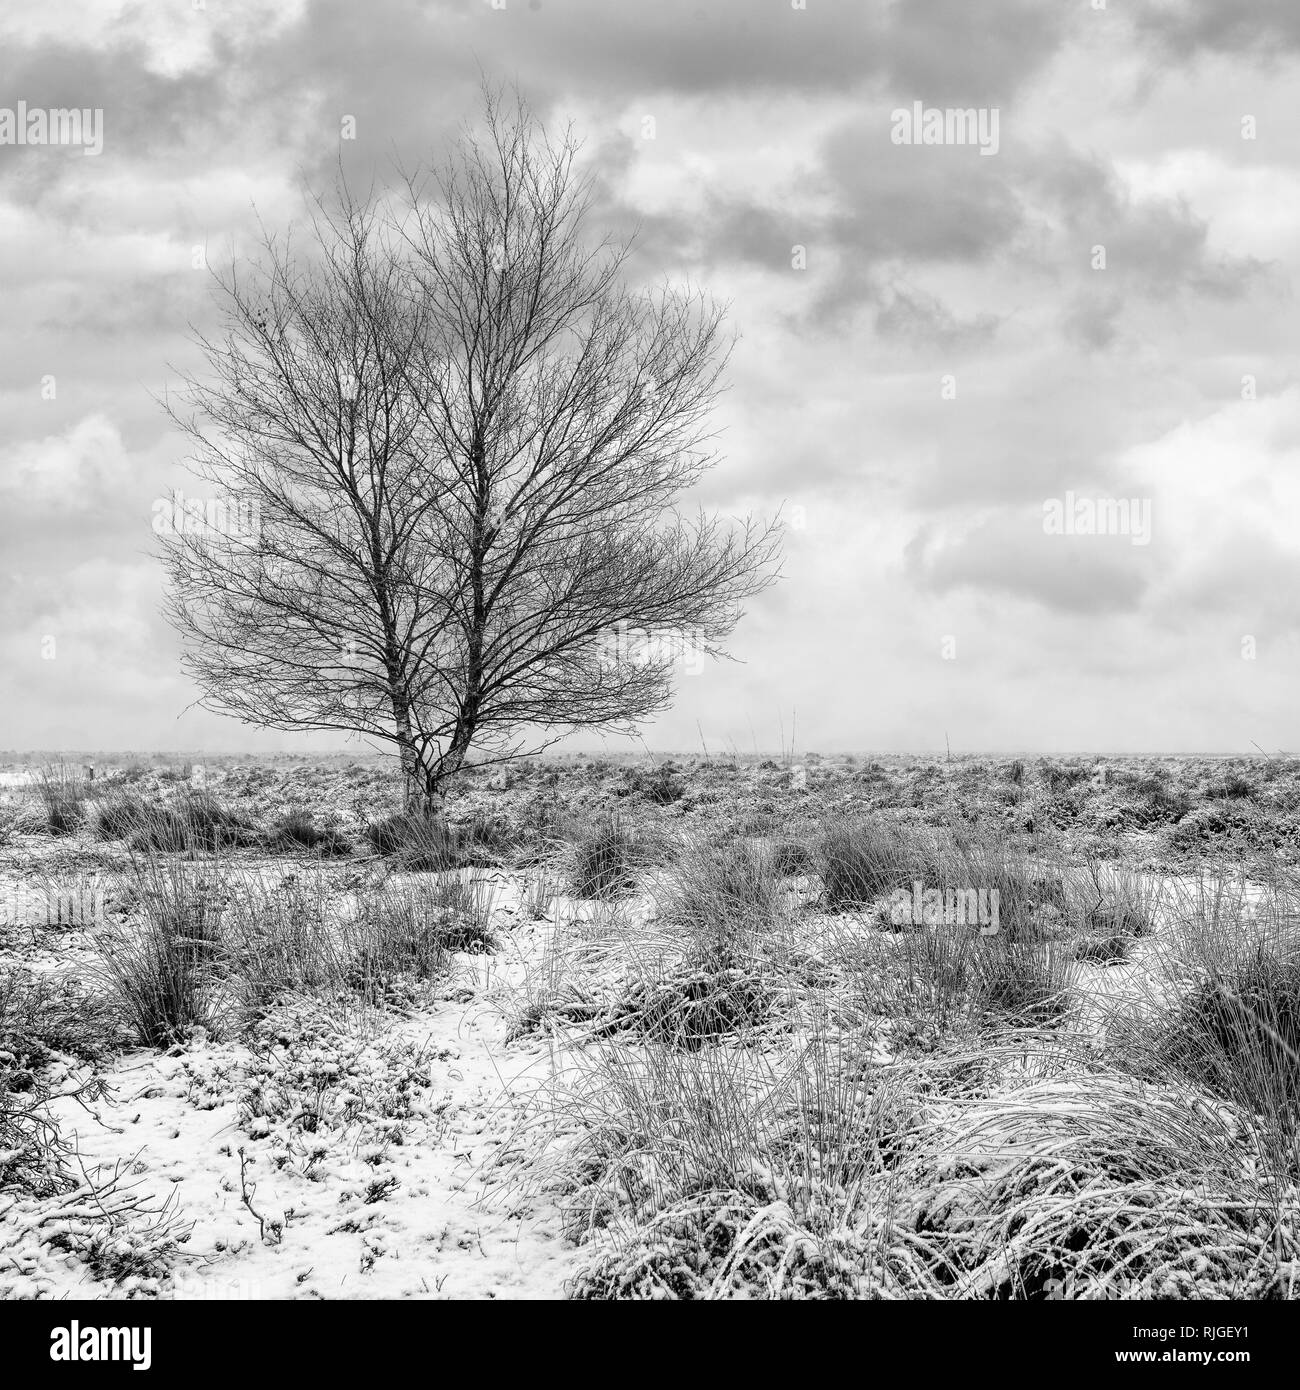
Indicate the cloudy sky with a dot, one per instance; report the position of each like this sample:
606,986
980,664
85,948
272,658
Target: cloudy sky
936,340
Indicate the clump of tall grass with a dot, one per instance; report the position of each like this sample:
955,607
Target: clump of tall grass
1238,1031
162,965
1032,899
211,824
1003,1173
724,896
538,895
196,820
161,831
724,907
1233,787
726,1172
463,908
867,860
604,862
484,841
1020,983
397,936
62,792
1219,1006
282,939
953,978
297,829
1111,900
422,843
121,815
790,858
1085,1183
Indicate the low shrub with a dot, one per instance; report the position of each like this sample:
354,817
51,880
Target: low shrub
41,1015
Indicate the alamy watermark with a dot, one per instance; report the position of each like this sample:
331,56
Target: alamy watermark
237,518
950,907
951,125
74,1342
24,125
626,645
79,907
1098,516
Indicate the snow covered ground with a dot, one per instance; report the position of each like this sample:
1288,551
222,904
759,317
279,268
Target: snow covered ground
379,1156
453,1142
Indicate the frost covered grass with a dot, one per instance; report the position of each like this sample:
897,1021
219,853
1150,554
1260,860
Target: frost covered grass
825,1174
860,1112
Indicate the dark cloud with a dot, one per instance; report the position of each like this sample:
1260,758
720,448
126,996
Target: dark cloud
1098,575
954,53
1220,26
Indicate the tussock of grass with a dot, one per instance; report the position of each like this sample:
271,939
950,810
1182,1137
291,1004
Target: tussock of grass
402,935
660,785
604,862
161,966
62,792
862,862
282,939
422,843
195,821
724,896
954,980
121,815
791,859
297,829
212,825
1225,1006
484,841
1238,1031
161,986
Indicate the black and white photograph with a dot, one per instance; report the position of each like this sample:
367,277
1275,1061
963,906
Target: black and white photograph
649,651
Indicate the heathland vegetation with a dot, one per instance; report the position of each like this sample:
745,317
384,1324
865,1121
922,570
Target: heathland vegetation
652,1028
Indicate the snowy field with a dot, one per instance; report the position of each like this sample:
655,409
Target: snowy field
645,1032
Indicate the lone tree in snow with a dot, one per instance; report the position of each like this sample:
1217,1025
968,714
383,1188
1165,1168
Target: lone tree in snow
454,440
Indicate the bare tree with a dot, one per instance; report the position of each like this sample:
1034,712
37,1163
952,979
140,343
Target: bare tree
465,439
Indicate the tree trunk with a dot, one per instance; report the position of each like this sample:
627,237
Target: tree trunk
414,775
